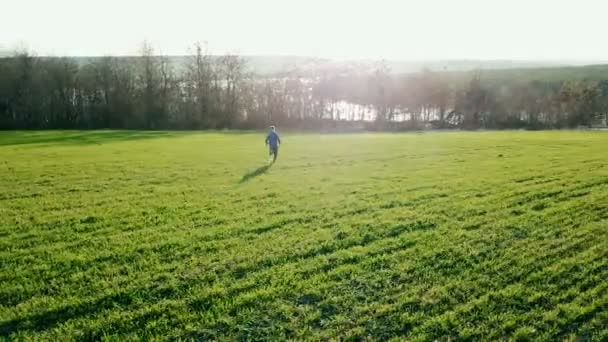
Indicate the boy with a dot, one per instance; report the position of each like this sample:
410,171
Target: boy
273,141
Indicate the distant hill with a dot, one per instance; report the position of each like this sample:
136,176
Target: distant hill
405,66
274,64
544,74
491,69
5,52
277,64
269,65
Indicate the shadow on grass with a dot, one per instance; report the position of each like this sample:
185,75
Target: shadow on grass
37,322
49,319
257,172
78,137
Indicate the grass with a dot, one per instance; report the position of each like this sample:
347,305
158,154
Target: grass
191,236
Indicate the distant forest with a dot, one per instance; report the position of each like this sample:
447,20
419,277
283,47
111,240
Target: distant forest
204,91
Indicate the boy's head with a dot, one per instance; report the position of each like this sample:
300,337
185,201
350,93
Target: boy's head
272,128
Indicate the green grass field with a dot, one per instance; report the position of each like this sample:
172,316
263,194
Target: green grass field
190,236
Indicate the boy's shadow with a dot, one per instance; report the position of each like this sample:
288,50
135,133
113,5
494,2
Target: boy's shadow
257,172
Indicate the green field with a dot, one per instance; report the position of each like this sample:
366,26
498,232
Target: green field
190,236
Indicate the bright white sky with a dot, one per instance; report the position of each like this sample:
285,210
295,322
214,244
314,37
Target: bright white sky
407,29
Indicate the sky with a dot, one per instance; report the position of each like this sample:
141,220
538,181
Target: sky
390,29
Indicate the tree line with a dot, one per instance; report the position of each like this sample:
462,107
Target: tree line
205,91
